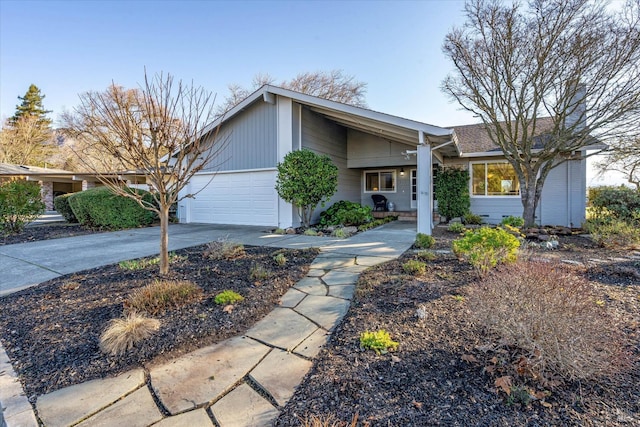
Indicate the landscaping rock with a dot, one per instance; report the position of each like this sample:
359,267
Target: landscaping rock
244,407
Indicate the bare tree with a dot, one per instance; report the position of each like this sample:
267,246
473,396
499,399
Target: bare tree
25,141
158,131
333,85
570,61
624,157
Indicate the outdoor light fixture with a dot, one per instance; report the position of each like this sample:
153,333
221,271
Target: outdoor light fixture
401,171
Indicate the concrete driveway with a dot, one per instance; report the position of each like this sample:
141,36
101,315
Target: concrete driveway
27,264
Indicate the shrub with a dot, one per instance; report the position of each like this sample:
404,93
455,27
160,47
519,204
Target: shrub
163,295
310,232
472,219
61,203
279,231
224,249
20,203
123,334
380,341
451,189
426,255
345,212
456,227
423,241
228,297
280,259
618,202
485,247
551,314
513,221
306,179
616,233
415,267
101,208
258,273
340,233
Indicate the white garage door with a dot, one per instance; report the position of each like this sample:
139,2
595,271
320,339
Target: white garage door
234,198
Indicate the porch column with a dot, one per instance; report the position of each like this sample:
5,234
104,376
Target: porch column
425,199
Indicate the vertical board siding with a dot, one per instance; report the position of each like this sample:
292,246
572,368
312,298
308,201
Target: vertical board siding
401,198
323,136
250,140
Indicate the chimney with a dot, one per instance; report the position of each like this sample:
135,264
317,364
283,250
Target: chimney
577,108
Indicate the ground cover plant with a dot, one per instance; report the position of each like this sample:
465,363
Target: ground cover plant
450,370
52,332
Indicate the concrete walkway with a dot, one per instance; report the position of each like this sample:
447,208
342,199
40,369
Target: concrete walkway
243,381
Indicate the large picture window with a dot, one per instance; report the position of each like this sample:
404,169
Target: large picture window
494,179
380,181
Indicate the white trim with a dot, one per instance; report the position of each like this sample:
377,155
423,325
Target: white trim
487,196
413,203
425,189
364,181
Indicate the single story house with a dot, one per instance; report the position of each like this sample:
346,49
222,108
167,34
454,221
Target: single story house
376,153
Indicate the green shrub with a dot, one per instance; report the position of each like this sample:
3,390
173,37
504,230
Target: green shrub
485,247
451,189
340,233
61,203
551,314
20,203
415,267
345,212
472,219
423,241
163,295
379,341
310,232
279,231
426,255
616,233
258,273
280,259
228,297
513,221
456,227
101,208
617,202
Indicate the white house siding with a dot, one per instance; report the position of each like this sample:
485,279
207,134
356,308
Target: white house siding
323,136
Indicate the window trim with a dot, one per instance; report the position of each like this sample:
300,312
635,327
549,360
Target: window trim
378,171
485,196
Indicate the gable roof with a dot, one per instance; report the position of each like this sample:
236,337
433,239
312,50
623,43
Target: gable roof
374,122
474,139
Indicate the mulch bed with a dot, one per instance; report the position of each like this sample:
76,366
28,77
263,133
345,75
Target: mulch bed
437,376
45,232
51,331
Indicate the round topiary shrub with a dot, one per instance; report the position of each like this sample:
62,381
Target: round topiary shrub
101,208
61,203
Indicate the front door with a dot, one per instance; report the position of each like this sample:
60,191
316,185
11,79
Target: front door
414,189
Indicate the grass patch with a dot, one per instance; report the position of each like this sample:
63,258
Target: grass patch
224,249
142,263
122,335
163,295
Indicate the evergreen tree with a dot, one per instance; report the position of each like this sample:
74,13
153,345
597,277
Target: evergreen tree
31,105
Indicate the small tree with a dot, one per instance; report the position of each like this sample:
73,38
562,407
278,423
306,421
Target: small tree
451,188
20,203
306,179
158,131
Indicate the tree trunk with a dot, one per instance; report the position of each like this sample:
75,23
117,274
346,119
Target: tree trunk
529,203
164,239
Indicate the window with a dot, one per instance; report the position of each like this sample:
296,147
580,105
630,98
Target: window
380,181
494,179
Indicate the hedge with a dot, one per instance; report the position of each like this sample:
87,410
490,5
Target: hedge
100,208
61,203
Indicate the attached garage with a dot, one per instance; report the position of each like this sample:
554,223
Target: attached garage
245,198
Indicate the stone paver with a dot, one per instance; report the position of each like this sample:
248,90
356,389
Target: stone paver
311,286
325,311
136,410
280,383
244,407
312,345
73,404
283,328
342,291
203,375
370,261
338,277
292,298
316,272
196,418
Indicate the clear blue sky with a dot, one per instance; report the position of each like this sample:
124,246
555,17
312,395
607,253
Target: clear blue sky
68,47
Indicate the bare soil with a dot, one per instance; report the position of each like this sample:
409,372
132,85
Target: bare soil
45,232
439,375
